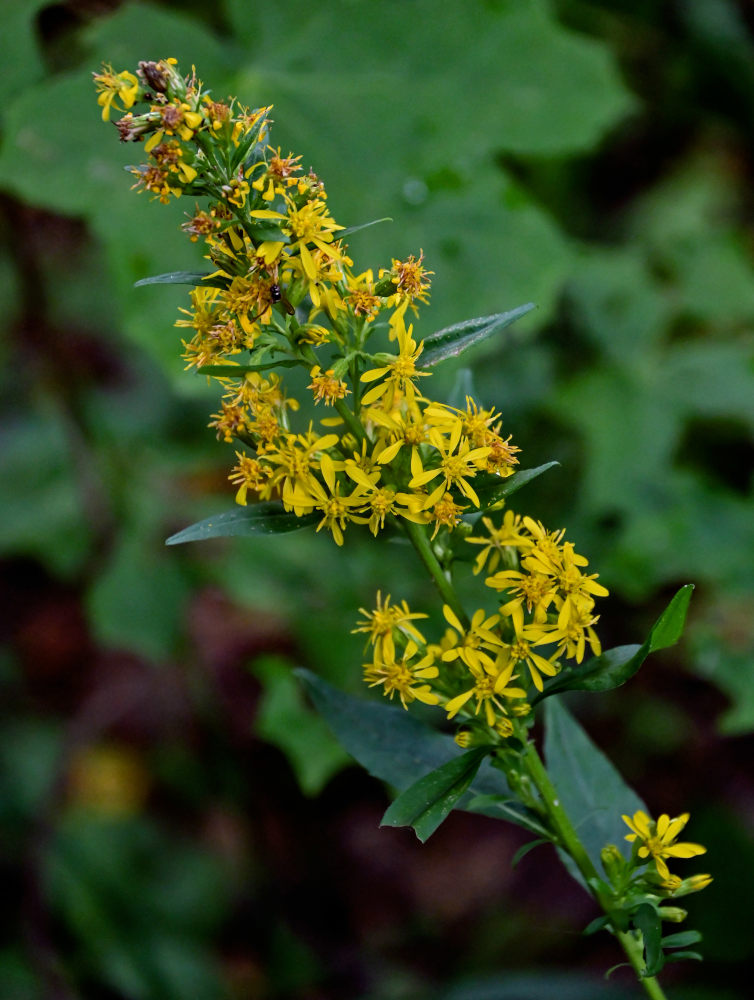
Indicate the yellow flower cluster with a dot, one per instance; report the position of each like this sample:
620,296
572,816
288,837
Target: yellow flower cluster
281,293
485,671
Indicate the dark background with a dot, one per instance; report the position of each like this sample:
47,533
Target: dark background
176,821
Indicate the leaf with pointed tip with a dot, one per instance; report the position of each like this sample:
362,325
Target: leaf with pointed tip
649,922
596,925
451,341
492,493
523,851
389,742
426,803
257,519
183,278
683,956
236,371
615,666
682,939
349,230
266,233
504,807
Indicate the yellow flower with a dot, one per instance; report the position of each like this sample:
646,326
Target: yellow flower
508,536
446,512
403,676
326,387
521,652
250,474
656,840
386,617
311,223
401,373
411,279
535,590
458,463
177,119
296,458
113,87
472,645
490,685
572,631
337,510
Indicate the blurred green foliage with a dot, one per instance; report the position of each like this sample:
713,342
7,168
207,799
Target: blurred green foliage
592,157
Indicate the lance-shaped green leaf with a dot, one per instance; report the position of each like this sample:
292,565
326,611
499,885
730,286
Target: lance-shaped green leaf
349,230
615,666
648,921
681,939
257,519
184,278
236,371
426,803
590,789
390,742
492,491
451,341
504,807
262,232
394,746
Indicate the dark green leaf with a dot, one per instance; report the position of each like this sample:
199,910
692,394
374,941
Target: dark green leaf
236,371
257,519
462,387
492,493
591,791
648,921
180,278
668,628
266,233
615,666
502,807
285,721
451,341
614,968
341,233
389,742
596,925
523,851
681,939
682,956
426,803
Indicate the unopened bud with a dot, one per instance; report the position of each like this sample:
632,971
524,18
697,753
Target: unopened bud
673,914
504,728
162,78
612,861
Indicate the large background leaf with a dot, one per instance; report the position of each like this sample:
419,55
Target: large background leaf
589,787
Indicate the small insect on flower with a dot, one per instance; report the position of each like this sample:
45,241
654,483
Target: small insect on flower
276,294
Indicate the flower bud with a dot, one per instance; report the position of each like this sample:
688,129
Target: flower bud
504,728
673,914
612,861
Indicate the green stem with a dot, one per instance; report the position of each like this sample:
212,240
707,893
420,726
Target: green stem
350,420
417,535
569,841
634,952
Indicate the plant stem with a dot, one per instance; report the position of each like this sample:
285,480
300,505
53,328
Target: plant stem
569,841
417,535
353,423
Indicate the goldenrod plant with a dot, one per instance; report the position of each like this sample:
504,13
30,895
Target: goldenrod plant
280,292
